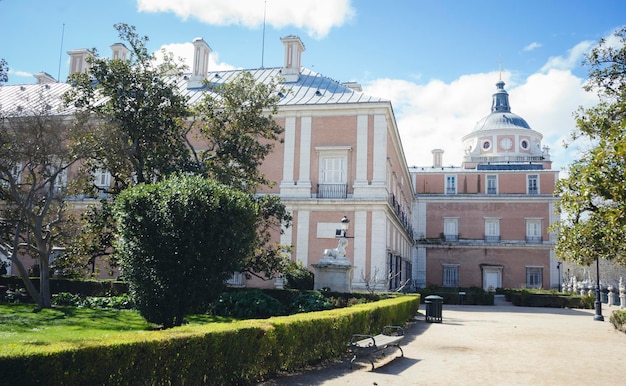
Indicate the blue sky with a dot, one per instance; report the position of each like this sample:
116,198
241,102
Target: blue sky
437,61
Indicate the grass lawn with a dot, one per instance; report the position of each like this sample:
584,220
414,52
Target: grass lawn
24,328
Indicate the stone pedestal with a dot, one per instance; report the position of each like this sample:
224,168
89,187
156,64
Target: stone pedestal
334,274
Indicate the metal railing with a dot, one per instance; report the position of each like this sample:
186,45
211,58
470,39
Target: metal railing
534,239
332,191
492,239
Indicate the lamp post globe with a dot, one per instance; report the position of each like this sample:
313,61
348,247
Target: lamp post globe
345,224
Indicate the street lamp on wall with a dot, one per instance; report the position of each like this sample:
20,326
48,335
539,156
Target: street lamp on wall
345,224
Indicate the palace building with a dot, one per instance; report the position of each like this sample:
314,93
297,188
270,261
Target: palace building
481,224
485,223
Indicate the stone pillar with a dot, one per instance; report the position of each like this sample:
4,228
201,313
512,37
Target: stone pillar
333,276
622,294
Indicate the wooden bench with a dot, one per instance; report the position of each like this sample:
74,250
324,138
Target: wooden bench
368,345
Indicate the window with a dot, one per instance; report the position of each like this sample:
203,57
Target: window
450,275
534,277
533,231
450,184
486,145
16,175
102,178
61,180
533,184
333,172
524,144
451,229
492,230
492,184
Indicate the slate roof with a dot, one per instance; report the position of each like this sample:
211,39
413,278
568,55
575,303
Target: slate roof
310,89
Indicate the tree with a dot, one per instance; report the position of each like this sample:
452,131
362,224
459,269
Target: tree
593,196
35,155
139,113
238,131
4,71
236,121
179,241
136,114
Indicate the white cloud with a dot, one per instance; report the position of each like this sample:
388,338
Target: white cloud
437,115
184,52
572,60
317,17
532,46
23,74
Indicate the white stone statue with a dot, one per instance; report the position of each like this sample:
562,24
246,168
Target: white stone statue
336,253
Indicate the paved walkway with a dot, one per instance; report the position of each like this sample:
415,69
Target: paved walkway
492,345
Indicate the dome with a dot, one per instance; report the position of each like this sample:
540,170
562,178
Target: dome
506,121
501,116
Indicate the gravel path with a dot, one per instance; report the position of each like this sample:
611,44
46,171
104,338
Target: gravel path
492,345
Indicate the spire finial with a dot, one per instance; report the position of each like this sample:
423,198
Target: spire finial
500,62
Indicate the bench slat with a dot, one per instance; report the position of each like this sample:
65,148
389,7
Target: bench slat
368,345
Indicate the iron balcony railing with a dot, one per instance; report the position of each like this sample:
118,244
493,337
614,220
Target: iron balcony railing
534,239
492,239
332,191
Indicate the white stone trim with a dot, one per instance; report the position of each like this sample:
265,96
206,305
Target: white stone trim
302,237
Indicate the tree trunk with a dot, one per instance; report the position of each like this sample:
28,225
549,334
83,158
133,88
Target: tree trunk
44,283
30,287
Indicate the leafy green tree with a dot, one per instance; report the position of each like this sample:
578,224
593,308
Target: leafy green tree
237,123
137,110
136,114
179,241
593,196
35,156
4,71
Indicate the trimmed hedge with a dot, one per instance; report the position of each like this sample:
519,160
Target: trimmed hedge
473,295
552,299
618,319
242,352
76,287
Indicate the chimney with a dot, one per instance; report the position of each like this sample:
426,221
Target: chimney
119,51
437,158
354,86
44,78
201,52
293,57
78,60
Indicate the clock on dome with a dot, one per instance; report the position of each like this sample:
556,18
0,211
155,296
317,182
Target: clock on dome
506,143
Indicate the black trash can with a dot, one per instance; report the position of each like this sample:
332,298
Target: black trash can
434,305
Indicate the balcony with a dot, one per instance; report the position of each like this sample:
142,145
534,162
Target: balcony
534,239
332,191
492,239
452,238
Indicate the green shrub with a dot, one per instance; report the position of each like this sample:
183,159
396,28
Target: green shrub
299,277
179,240
618,319
247,305
310,301
122,302
472,296
527,297
243,352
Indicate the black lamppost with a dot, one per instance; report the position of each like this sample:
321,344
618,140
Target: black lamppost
558,268
598,316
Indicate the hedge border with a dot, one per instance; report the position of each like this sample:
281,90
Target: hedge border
242,352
